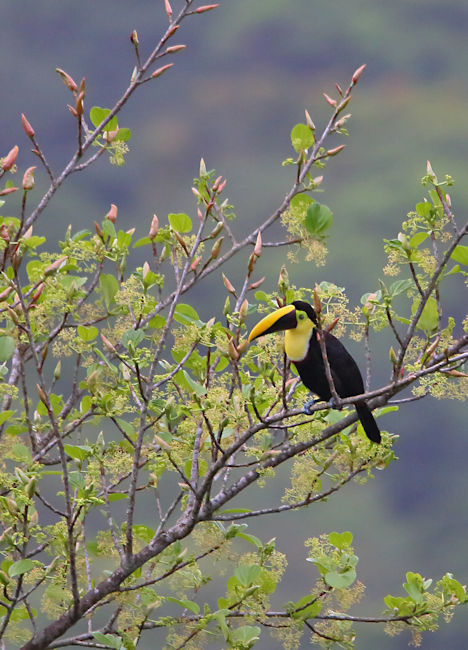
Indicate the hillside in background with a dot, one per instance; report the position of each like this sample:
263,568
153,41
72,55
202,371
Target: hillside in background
249,71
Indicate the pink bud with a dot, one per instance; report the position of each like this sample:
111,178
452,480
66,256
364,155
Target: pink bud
10,159
258,245
336,150
112,214
167,6
358,73
161,70
27,127
204,8
8,190
175,48
67,80
28,179
331,101
195,263
154,227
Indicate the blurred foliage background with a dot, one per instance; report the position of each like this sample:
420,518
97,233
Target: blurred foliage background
249,71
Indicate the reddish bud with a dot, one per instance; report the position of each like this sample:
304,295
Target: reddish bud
216,248
256,284
203,8
358,73
157,73
5,293
8,190
171,31
317,302
251,264
99,230
175,48
229,286
134,37
336,150
195,263
199,214
333,324
38,292
181,242
154,227
258,245
4,234
42,395
55,266
67,80
28,179
243,310
72,110
222,186
112,214
309,121
339,89
168,8
79,103
331,101
232,351
10,158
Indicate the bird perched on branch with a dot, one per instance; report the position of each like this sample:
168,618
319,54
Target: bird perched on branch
302,345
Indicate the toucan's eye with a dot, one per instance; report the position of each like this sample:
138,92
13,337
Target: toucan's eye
301,316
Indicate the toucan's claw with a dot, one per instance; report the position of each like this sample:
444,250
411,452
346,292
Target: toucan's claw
308,405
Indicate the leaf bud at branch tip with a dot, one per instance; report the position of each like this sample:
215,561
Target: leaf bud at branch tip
112,214
157,73
168,8
134,37
358,73
336,150
28,179
309,121
204,8
258,245
8,190
216,248
175,48
154,228
195,263
229,286
67,80
243,310
10,158
256,284
331,101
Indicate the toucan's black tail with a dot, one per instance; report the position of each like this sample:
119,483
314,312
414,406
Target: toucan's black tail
368,422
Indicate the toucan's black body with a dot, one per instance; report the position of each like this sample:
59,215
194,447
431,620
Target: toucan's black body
345,372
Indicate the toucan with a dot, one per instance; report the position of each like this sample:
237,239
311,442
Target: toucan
298,321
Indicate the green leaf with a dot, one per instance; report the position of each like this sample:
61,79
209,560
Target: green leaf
460,254
423,209
117,496
109,287
145,533
4,415
318,218
80,452
400,286
109,640
429,318
302,137
87,334
123,135
341,540
98,114
180,222
251,539
185,314
7,347
76,480
132,338
244,637
20,567
246,574
186,604
308,611
340,580
417,239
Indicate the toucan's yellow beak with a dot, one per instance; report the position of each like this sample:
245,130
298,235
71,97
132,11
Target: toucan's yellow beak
281,319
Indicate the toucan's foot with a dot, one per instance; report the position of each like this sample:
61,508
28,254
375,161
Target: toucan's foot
308,405
334,404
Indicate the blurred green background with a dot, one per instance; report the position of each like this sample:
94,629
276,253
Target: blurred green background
249,71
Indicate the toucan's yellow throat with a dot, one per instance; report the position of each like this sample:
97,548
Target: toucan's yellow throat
297,325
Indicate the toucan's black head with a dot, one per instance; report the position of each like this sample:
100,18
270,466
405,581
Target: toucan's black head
301,305
291,317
